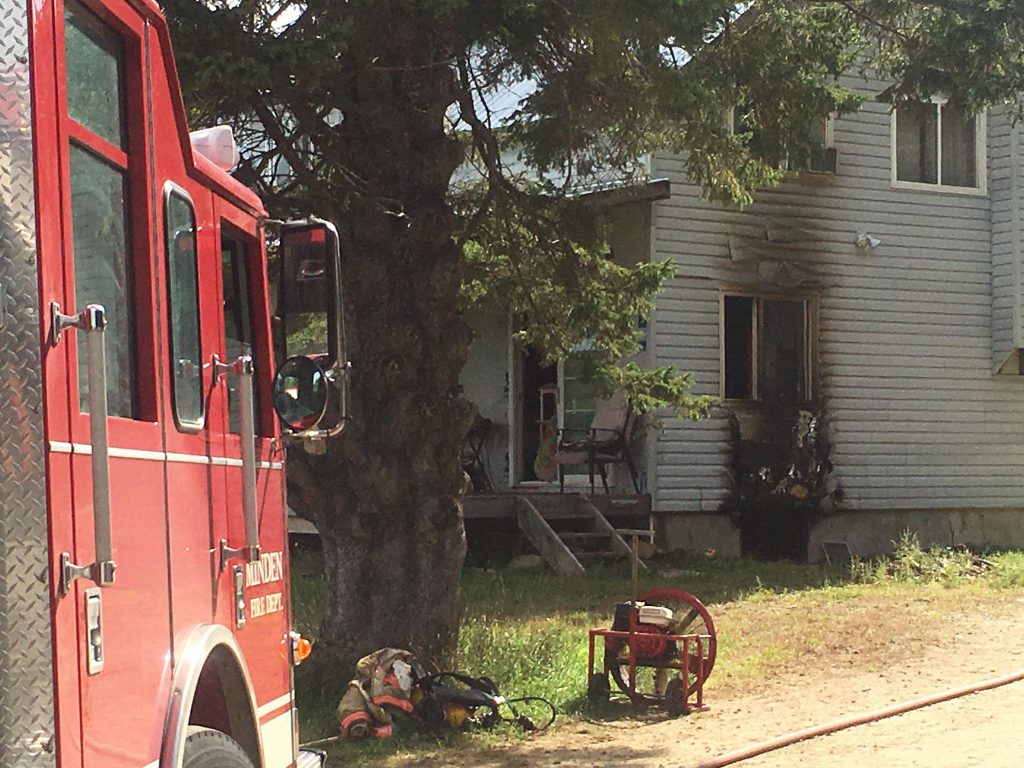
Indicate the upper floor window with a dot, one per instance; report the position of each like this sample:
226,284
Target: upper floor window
822,155
766,349
100,199
936,143
817,150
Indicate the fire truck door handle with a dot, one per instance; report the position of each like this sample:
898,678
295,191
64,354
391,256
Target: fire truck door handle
92,321
94,630
243,369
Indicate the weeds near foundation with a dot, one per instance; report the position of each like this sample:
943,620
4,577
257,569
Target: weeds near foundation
910,563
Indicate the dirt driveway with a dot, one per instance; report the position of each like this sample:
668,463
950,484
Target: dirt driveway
982,642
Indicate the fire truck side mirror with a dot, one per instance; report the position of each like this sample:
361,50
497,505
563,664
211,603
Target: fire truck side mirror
301,393
311,387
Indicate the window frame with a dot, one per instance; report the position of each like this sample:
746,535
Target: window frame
980,156
810,302
172,190
246,257
131,163
828,143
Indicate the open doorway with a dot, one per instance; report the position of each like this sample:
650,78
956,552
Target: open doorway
535,375
767,362
558,393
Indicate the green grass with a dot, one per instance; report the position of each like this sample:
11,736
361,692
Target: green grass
912,563
528,630
1009,570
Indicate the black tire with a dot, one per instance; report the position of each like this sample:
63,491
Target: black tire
598,689
207,748
675,705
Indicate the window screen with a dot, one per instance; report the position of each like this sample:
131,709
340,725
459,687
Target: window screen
917,131
183,312
936,144
782,358
959,148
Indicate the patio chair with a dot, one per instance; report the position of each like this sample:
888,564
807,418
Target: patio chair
605,442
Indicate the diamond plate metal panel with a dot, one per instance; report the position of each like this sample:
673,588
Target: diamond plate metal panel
26,675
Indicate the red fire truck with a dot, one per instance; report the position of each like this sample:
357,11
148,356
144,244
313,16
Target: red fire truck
144,603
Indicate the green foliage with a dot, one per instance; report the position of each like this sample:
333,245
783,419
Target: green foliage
602,83
547,261
911,563
1008,571
372,106
307,334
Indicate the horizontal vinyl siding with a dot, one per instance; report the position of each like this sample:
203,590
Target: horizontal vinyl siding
1005,268
906,332
692,456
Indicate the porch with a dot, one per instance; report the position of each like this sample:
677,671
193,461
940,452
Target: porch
569,530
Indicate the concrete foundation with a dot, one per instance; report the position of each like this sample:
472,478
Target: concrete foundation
873,532
698,532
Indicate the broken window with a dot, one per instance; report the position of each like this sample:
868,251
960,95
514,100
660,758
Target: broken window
814,151
767,345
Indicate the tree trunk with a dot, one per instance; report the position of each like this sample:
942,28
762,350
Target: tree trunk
387,497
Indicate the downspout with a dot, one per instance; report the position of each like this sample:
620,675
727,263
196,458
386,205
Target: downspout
651,435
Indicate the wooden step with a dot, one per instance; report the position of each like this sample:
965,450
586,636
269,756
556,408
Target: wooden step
584,542
545,540
558,506
567,529
600,556
566,513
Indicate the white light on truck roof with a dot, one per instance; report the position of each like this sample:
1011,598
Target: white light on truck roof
216,144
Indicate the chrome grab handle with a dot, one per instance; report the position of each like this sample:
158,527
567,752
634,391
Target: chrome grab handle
243,369
93,322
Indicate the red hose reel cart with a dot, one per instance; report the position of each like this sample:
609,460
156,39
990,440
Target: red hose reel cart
660,650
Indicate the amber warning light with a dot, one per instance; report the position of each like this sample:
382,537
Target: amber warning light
301,648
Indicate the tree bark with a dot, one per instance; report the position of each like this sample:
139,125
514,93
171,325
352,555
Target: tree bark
387,497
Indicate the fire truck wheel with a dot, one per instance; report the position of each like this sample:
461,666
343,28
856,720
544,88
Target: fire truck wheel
207,748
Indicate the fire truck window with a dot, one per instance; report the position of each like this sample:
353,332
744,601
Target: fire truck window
183,286
95,64
102,273
238,334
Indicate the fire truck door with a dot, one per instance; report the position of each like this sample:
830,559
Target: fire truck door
120,588
246,332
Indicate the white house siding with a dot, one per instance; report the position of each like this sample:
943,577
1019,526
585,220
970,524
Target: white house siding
906,332
1005,186
484,382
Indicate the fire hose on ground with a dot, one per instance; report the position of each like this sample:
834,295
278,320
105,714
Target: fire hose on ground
760,748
